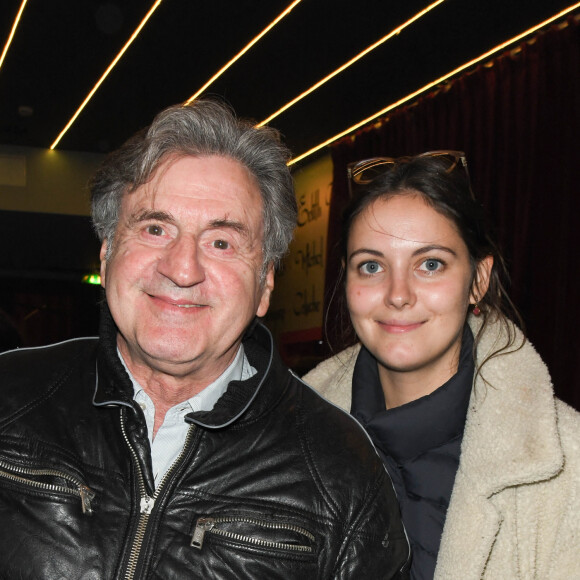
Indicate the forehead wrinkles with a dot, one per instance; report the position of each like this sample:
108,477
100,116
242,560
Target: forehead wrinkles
202,180
154,184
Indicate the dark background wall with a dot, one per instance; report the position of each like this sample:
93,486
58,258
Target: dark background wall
41,269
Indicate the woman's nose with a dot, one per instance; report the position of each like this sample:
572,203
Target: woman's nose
399,291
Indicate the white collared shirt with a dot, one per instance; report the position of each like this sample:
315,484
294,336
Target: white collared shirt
170,437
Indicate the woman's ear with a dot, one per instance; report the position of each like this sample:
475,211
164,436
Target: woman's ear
481,280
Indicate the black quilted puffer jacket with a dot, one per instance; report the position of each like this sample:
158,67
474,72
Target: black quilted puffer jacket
273,483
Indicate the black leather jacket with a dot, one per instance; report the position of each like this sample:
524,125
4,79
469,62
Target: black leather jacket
273,483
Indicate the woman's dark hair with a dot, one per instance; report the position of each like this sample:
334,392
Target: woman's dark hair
447,189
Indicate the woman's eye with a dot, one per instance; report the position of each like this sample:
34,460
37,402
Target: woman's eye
431,265
154,230
370,268
221,245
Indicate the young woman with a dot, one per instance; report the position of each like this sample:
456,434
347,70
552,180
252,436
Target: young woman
484,459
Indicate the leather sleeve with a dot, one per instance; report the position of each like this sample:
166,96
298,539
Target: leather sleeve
376,545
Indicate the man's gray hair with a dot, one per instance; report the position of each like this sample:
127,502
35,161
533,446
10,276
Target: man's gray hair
203,128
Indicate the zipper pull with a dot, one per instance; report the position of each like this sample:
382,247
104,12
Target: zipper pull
147,503
87,494
202,526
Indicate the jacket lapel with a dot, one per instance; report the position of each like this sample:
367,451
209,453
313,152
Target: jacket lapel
510,439
470,529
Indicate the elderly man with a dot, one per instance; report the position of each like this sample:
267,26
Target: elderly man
177,445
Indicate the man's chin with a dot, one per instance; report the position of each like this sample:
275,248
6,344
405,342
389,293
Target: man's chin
171,356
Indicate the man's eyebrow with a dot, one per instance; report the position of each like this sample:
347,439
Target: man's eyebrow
146,215
230,224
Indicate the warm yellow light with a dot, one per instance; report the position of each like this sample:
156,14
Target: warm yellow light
11,36
351,62
435,83
106,73
243,51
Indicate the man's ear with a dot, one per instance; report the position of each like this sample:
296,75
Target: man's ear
103,258
481,280
267,288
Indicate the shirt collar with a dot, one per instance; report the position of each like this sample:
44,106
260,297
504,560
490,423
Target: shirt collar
239,369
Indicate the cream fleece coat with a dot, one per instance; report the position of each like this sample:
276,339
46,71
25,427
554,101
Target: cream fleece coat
515,506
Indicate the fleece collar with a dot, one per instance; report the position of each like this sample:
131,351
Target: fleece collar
511,436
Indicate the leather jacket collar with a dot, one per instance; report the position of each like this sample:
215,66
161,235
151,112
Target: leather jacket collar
237,402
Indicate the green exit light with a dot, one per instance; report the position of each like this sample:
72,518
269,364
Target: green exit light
92,279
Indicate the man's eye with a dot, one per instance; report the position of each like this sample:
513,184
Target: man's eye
221,244
155,230
369,268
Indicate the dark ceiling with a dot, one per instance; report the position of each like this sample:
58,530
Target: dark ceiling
62,47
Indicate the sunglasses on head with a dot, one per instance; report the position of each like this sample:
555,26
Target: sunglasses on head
365,171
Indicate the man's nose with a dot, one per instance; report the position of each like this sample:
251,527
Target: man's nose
181,263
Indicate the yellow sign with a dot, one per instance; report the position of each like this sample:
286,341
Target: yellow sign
295,313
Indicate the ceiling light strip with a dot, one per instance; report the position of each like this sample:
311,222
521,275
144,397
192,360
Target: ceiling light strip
434,83
106,73
14,26
356,58
243,51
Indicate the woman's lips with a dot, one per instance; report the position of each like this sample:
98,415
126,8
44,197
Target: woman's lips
398,327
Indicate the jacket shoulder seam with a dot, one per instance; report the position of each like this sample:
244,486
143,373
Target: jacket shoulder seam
43,396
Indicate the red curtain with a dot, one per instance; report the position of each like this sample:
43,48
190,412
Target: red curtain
518,120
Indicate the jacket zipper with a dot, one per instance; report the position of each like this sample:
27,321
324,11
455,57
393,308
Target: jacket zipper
17,474
211,525
147,502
